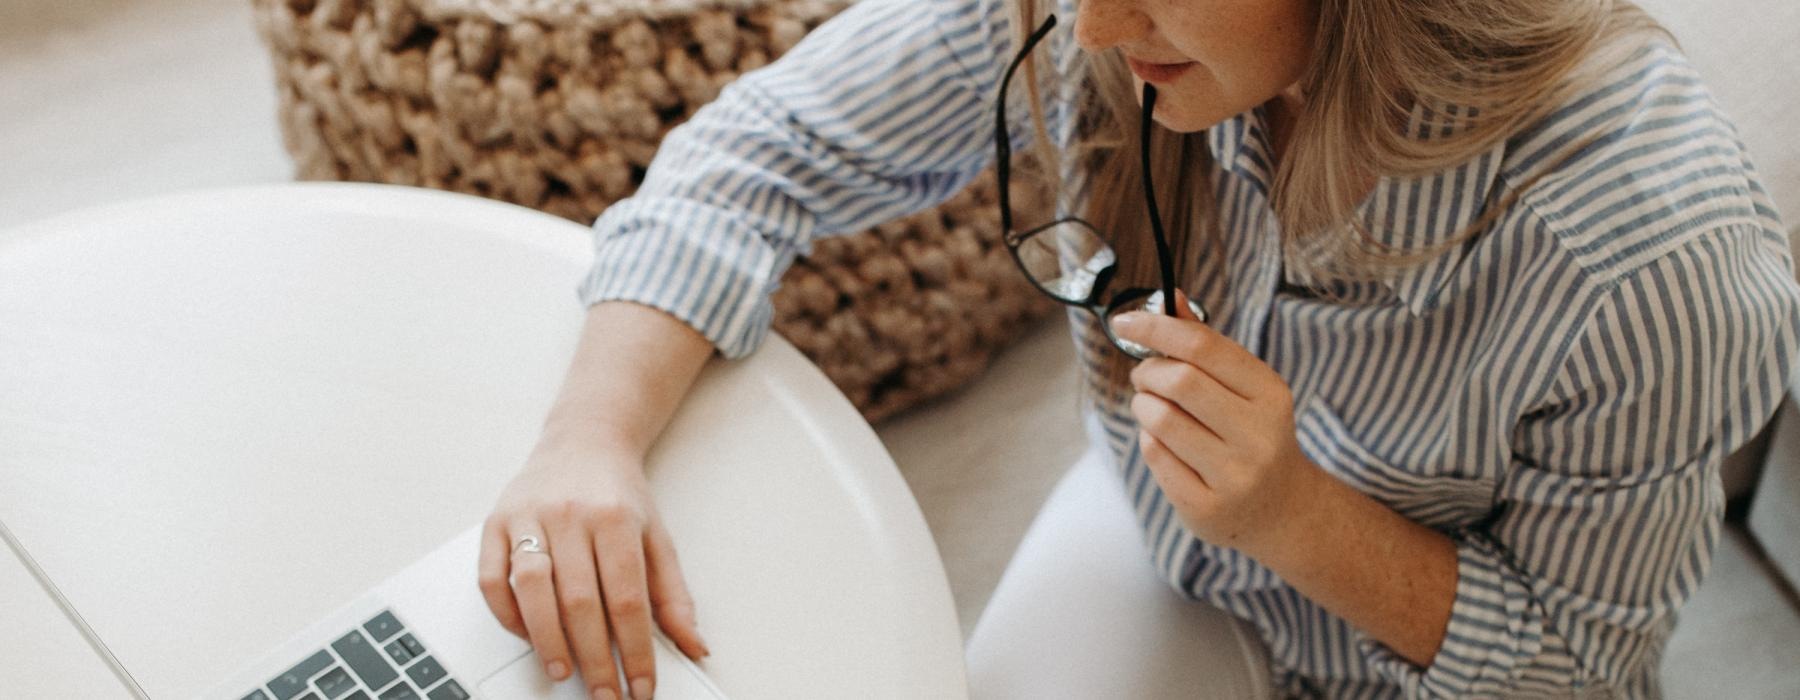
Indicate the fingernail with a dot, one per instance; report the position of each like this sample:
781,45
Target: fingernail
605,694
641,688
1125,320
556,669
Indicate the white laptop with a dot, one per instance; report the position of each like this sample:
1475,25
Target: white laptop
427,633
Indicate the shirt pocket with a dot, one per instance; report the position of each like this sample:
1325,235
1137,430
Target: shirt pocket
1429,494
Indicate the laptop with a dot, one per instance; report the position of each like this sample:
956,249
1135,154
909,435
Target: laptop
427,634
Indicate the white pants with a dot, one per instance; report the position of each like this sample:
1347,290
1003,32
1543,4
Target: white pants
1081,613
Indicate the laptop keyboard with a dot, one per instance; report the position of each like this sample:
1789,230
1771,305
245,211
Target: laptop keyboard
379,661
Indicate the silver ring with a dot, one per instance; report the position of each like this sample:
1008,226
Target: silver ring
528,543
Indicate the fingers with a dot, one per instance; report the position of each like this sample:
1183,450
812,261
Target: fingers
492,573
1196,392
619,543
674,607
536,594
1180,482
1173,429
1199,345
581,605
1173,426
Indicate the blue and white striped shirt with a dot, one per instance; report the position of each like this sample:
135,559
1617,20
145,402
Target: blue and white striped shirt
1557,396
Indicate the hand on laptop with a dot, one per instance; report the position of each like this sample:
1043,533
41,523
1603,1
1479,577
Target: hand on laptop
605,561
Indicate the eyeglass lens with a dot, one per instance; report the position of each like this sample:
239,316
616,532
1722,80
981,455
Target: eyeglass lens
1151,303
1065,259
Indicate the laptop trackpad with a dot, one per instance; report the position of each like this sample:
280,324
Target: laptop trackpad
525,678
677,678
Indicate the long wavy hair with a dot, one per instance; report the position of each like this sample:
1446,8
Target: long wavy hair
1490,68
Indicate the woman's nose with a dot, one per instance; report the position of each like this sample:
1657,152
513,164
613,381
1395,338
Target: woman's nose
1104,24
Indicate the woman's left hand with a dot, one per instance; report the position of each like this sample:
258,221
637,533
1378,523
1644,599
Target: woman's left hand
1217,430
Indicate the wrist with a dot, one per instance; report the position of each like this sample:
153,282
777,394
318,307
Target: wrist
1295,518
590,437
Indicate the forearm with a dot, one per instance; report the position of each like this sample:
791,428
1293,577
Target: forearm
1388,576
632,367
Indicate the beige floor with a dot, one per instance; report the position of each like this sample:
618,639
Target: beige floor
106,100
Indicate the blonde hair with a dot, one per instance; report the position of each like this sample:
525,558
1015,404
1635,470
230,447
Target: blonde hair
1491,68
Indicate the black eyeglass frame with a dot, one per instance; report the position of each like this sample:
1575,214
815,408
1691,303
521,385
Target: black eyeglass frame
1103,276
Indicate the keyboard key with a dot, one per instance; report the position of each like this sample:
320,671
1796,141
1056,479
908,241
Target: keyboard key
426,672
358,695
257,694
308,696
400,691
413,645
382,626
364,660
399,653
335,682
293,682
448,691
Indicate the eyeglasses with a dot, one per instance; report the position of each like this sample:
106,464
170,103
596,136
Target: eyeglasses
1066,258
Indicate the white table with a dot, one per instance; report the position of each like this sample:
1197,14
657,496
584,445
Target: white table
224,413
42,654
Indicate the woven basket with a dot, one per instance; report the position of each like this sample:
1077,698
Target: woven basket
559,105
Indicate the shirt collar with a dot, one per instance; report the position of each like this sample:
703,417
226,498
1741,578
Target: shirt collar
1240,145
1405,212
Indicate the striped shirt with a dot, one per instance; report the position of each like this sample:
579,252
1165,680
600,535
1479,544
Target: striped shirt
1556,396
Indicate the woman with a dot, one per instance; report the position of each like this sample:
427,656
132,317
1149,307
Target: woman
1489,290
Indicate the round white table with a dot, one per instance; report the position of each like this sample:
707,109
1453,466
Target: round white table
224,413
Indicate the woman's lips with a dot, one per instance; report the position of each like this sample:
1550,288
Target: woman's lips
1159,72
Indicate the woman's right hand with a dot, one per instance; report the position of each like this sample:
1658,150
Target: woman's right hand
607,560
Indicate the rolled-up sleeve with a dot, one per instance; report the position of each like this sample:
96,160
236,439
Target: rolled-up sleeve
882,111
1613,506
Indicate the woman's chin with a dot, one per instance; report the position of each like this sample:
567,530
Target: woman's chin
1182,121
1171,114
1185,127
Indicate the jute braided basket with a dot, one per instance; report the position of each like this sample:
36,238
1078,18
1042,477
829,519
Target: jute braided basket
559,105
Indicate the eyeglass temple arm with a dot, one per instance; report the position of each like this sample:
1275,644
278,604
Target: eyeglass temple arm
1164,259
1002,139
